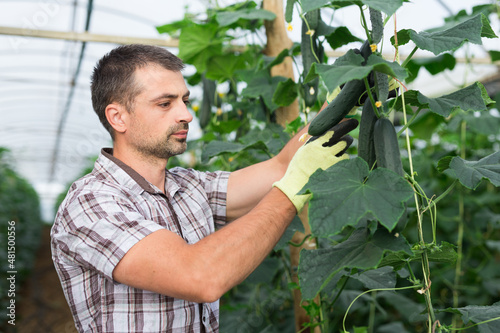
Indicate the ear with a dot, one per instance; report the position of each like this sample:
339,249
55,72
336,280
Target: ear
117,117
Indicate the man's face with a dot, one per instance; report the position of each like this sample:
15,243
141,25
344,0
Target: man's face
159,120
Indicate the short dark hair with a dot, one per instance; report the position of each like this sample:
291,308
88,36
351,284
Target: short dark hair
112,80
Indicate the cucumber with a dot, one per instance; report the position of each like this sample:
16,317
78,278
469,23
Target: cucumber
342,104
388,156
366,144
205,113
308,54
377,25
338,108
387,147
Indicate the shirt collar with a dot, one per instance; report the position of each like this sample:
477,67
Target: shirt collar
135,178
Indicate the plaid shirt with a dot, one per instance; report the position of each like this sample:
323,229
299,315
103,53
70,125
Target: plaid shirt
108,211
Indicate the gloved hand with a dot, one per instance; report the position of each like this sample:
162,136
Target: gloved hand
318,152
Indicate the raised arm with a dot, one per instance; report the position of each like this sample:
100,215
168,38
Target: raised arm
163,262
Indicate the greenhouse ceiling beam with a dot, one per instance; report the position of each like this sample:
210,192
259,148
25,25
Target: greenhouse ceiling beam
122,40
86,37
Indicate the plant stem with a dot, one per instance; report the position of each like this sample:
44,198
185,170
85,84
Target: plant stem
371,320
372,100
460,236
408,58
425,260
409,122
365,26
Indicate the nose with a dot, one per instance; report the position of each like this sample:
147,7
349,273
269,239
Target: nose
184,115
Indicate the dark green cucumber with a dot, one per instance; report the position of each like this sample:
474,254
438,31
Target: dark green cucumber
338,108
205,112
342,104
377,25
387,147
388,156
312,51
366,144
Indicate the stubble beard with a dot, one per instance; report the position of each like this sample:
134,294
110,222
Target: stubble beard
165,147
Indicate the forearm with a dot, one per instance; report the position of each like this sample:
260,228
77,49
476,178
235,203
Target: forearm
238,248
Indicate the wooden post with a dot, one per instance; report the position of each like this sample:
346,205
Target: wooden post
277,41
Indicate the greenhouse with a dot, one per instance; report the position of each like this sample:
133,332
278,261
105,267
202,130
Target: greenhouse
365,134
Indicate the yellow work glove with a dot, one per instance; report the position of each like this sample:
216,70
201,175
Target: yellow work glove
318,152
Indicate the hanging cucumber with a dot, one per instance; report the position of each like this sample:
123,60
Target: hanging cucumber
342,104
366,143
388,156
205,113
387,147
312,52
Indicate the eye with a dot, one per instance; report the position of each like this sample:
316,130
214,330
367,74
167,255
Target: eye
187,102
164,105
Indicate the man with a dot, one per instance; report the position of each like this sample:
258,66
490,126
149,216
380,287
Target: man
134,244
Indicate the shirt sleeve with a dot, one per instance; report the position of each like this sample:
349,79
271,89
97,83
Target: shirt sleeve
98,230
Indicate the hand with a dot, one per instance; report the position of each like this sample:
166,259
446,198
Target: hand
318,152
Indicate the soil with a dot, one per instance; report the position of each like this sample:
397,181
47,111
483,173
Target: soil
42,306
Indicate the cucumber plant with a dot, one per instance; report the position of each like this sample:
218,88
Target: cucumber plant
375,223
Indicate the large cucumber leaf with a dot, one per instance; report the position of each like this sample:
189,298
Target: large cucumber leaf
387,6
360,250
488,316
450,39
229,17
471,173
468,99
350,67
348,191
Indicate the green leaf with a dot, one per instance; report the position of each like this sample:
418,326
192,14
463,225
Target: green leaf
494,55
229,17
449,39
263,85
295,226
383,277
480,314
487,31
346,192
432,65
471,173
215,148
485,123
387,6
360,250
338,36
349,67
222,67
467,99
279,58
285,93
173,27
198,43
444,253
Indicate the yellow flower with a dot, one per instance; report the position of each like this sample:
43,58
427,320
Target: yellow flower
230,159
289,27
311,90
196,108
310,32
219,112
373,47
378,104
